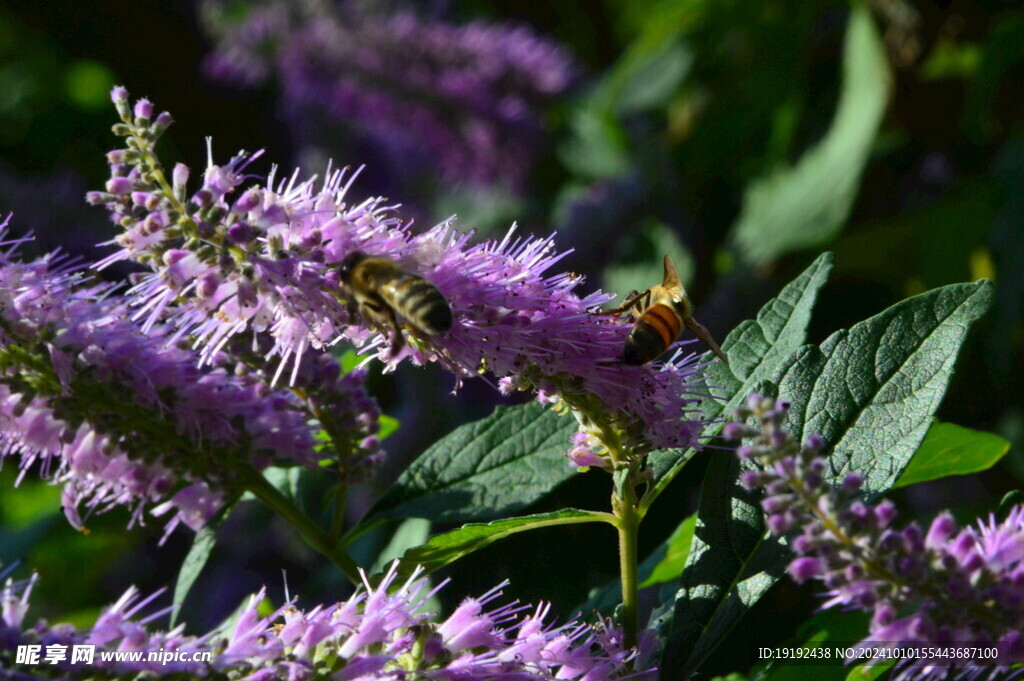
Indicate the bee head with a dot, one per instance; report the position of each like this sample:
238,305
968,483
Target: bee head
348,264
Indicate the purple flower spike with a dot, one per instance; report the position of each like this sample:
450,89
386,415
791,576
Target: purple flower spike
379,634
270,263
954,588
79,378
467,98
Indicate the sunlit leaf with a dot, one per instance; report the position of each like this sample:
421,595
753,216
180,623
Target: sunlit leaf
485,469
806,205
871,391
446,548
949,449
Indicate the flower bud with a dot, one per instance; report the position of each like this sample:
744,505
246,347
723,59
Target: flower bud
814,443
942,528
162,122
750,479
852,482
778,523
207,285
735,431
119,186
805,568
179,176
174,256
143,110
119,96
247,202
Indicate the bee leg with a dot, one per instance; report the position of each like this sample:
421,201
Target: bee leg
397,339
632,301
701,332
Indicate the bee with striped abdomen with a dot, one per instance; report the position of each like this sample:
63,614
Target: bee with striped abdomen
383,291
661,312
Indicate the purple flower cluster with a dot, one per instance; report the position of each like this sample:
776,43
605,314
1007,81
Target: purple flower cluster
946,586
122,418
338,402
379,633
116,630
228,261
466,97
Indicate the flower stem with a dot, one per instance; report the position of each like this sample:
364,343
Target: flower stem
625,510
311,533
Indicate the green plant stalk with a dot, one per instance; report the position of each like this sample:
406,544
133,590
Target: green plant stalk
625,509
317,539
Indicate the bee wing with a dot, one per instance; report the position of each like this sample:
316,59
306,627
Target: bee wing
671,279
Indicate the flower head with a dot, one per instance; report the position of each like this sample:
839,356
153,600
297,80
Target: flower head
122,418
266,260
464,100
948,586
381,632
116,629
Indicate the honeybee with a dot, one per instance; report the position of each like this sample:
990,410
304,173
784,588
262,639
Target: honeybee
382,291
660,313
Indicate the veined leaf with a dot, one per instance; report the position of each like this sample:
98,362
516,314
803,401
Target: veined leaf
806,205
485,469
448,547
871,391
949,449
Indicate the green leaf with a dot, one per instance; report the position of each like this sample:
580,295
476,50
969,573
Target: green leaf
828,629
485,469
806,205
755,349
949,449
350,359
409,533
673,553
656,76
1009,500
865,672
659,46
598,147
195,560
388,425
730,566
446,548
871,391
285,479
